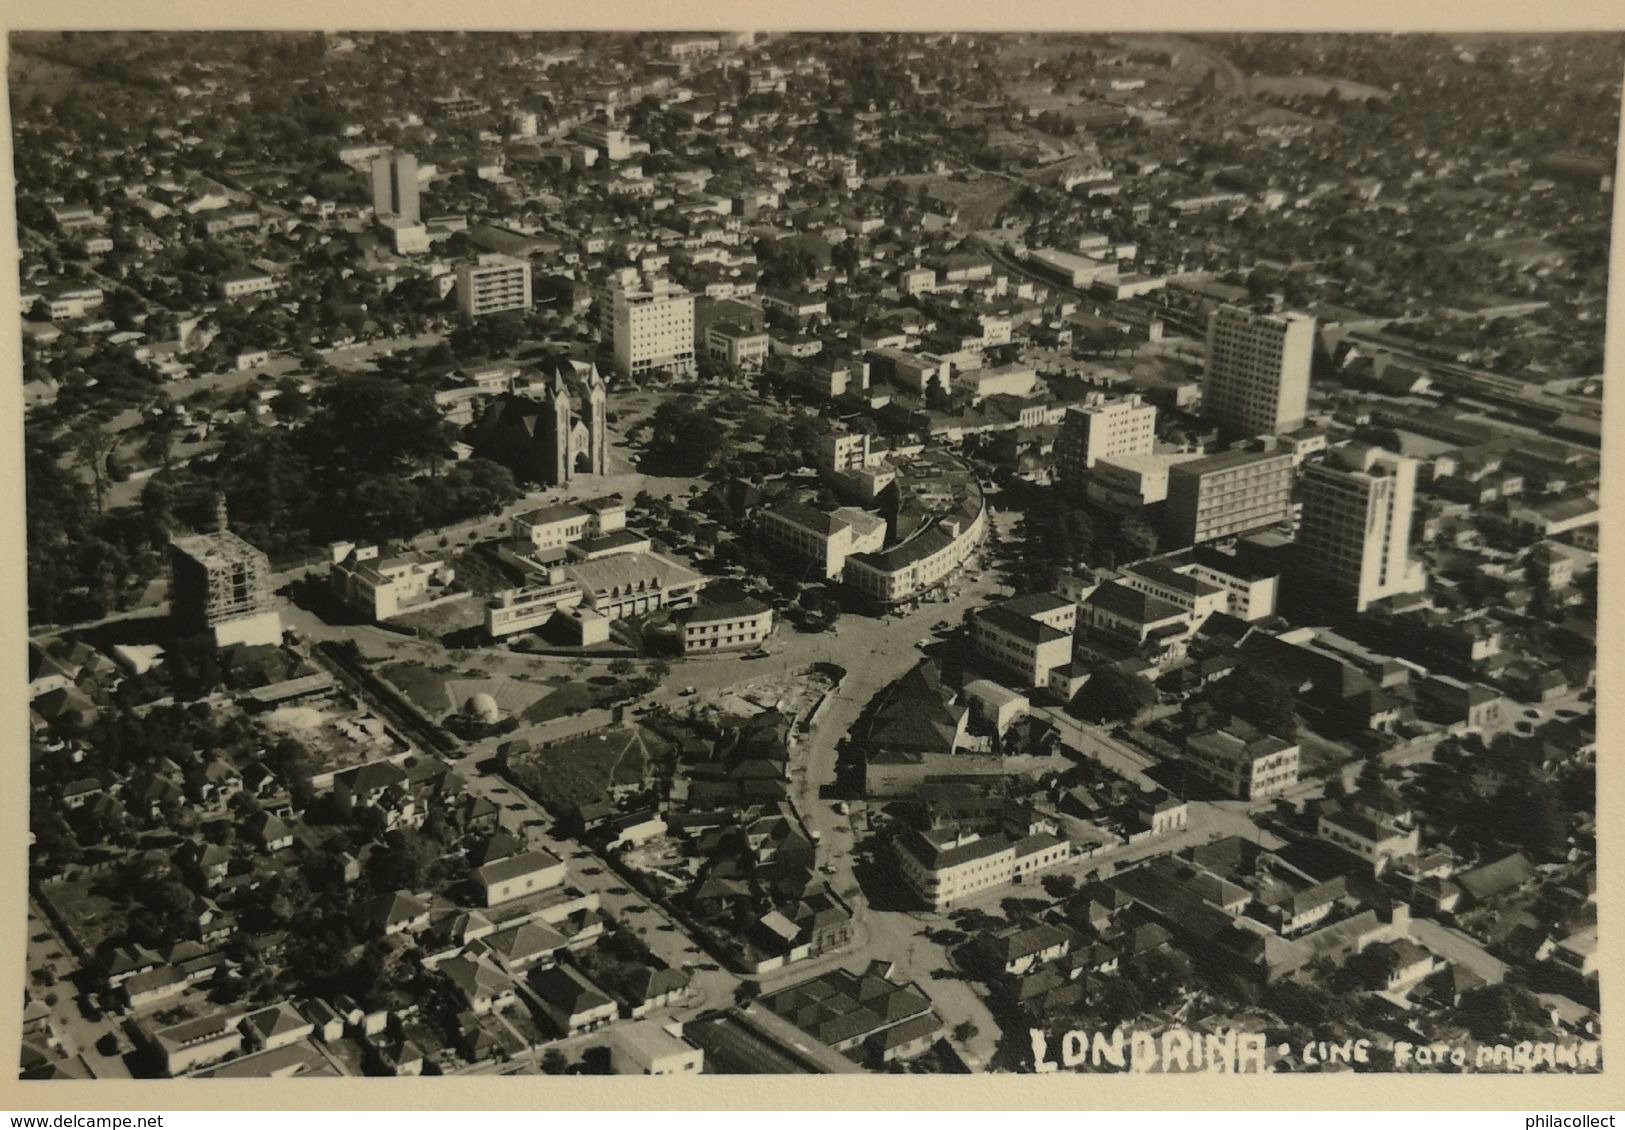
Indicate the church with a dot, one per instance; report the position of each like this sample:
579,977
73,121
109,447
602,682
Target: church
551,432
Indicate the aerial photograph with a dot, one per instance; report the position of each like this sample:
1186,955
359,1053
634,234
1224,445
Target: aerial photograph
742,553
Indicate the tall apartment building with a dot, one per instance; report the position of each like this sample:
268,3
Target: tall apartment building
1257,380
1355,533
395,186
1103,428
653,329
492,284
1222,495
222,585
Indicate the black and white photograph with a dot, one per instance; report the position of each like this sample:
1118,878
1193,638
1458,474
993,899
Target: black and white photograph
809,554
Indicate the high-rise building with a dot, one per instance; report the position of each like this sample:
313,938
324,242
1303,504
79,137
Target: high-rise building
1354,535
395,186
653,329
1257,380
222,585
1223,495
1103,428
492,284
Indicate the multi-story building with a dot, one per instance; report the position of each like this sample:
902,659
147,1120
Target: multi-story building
1246,763
846,451
724,627
1257,380
551,528
1027,637
1178,586
395,186
381,587
1377,827
493,284
948,867
1103,428
827,540
1354,535
1250,584
1130,483
221,584
653,329
521,609
244,282
909,570
631,584
1220,496
73,300
743,349
916,280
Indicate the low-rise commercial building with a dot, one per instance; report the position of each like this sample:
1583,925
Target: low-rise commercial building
1243,762
945,868
724,627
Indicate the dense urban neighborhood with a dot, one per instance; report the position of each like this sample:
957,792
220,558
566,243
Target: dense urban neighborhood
743,553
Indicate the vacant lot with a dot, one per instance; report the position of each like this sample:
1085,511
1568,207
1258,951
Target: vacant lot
581,770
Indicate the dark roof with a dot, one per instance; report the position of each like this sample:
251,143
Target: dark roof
1036,604
804,515
1497,878
1022,627
918,713
940,856
716,613
1132,604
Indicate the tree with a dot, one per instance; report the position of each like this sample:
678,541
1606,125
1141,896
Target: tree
1246,694
1503,1014
554,1062
91,447
1135,539
371,425
1370,774
1113,695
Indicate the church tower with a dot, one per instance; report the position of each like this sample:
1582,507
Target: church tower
597,410
562,467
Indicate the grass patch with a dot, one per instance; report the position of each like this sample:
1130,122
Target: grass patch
580,770
425,687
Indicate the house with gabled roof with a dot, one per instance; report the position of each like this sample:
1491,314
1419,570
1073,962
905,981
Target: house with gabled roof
275,1026
481,984
572,1002
268,830
527,873
520,947
1023,946
397,912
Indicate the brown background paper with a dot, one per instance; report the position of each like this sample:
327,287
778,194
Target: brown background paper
1542,1093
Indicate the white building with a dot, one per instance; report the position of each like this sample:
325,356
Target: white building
1355,532
945,868
653,329
1257,380
724,627
493,284
1111,428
